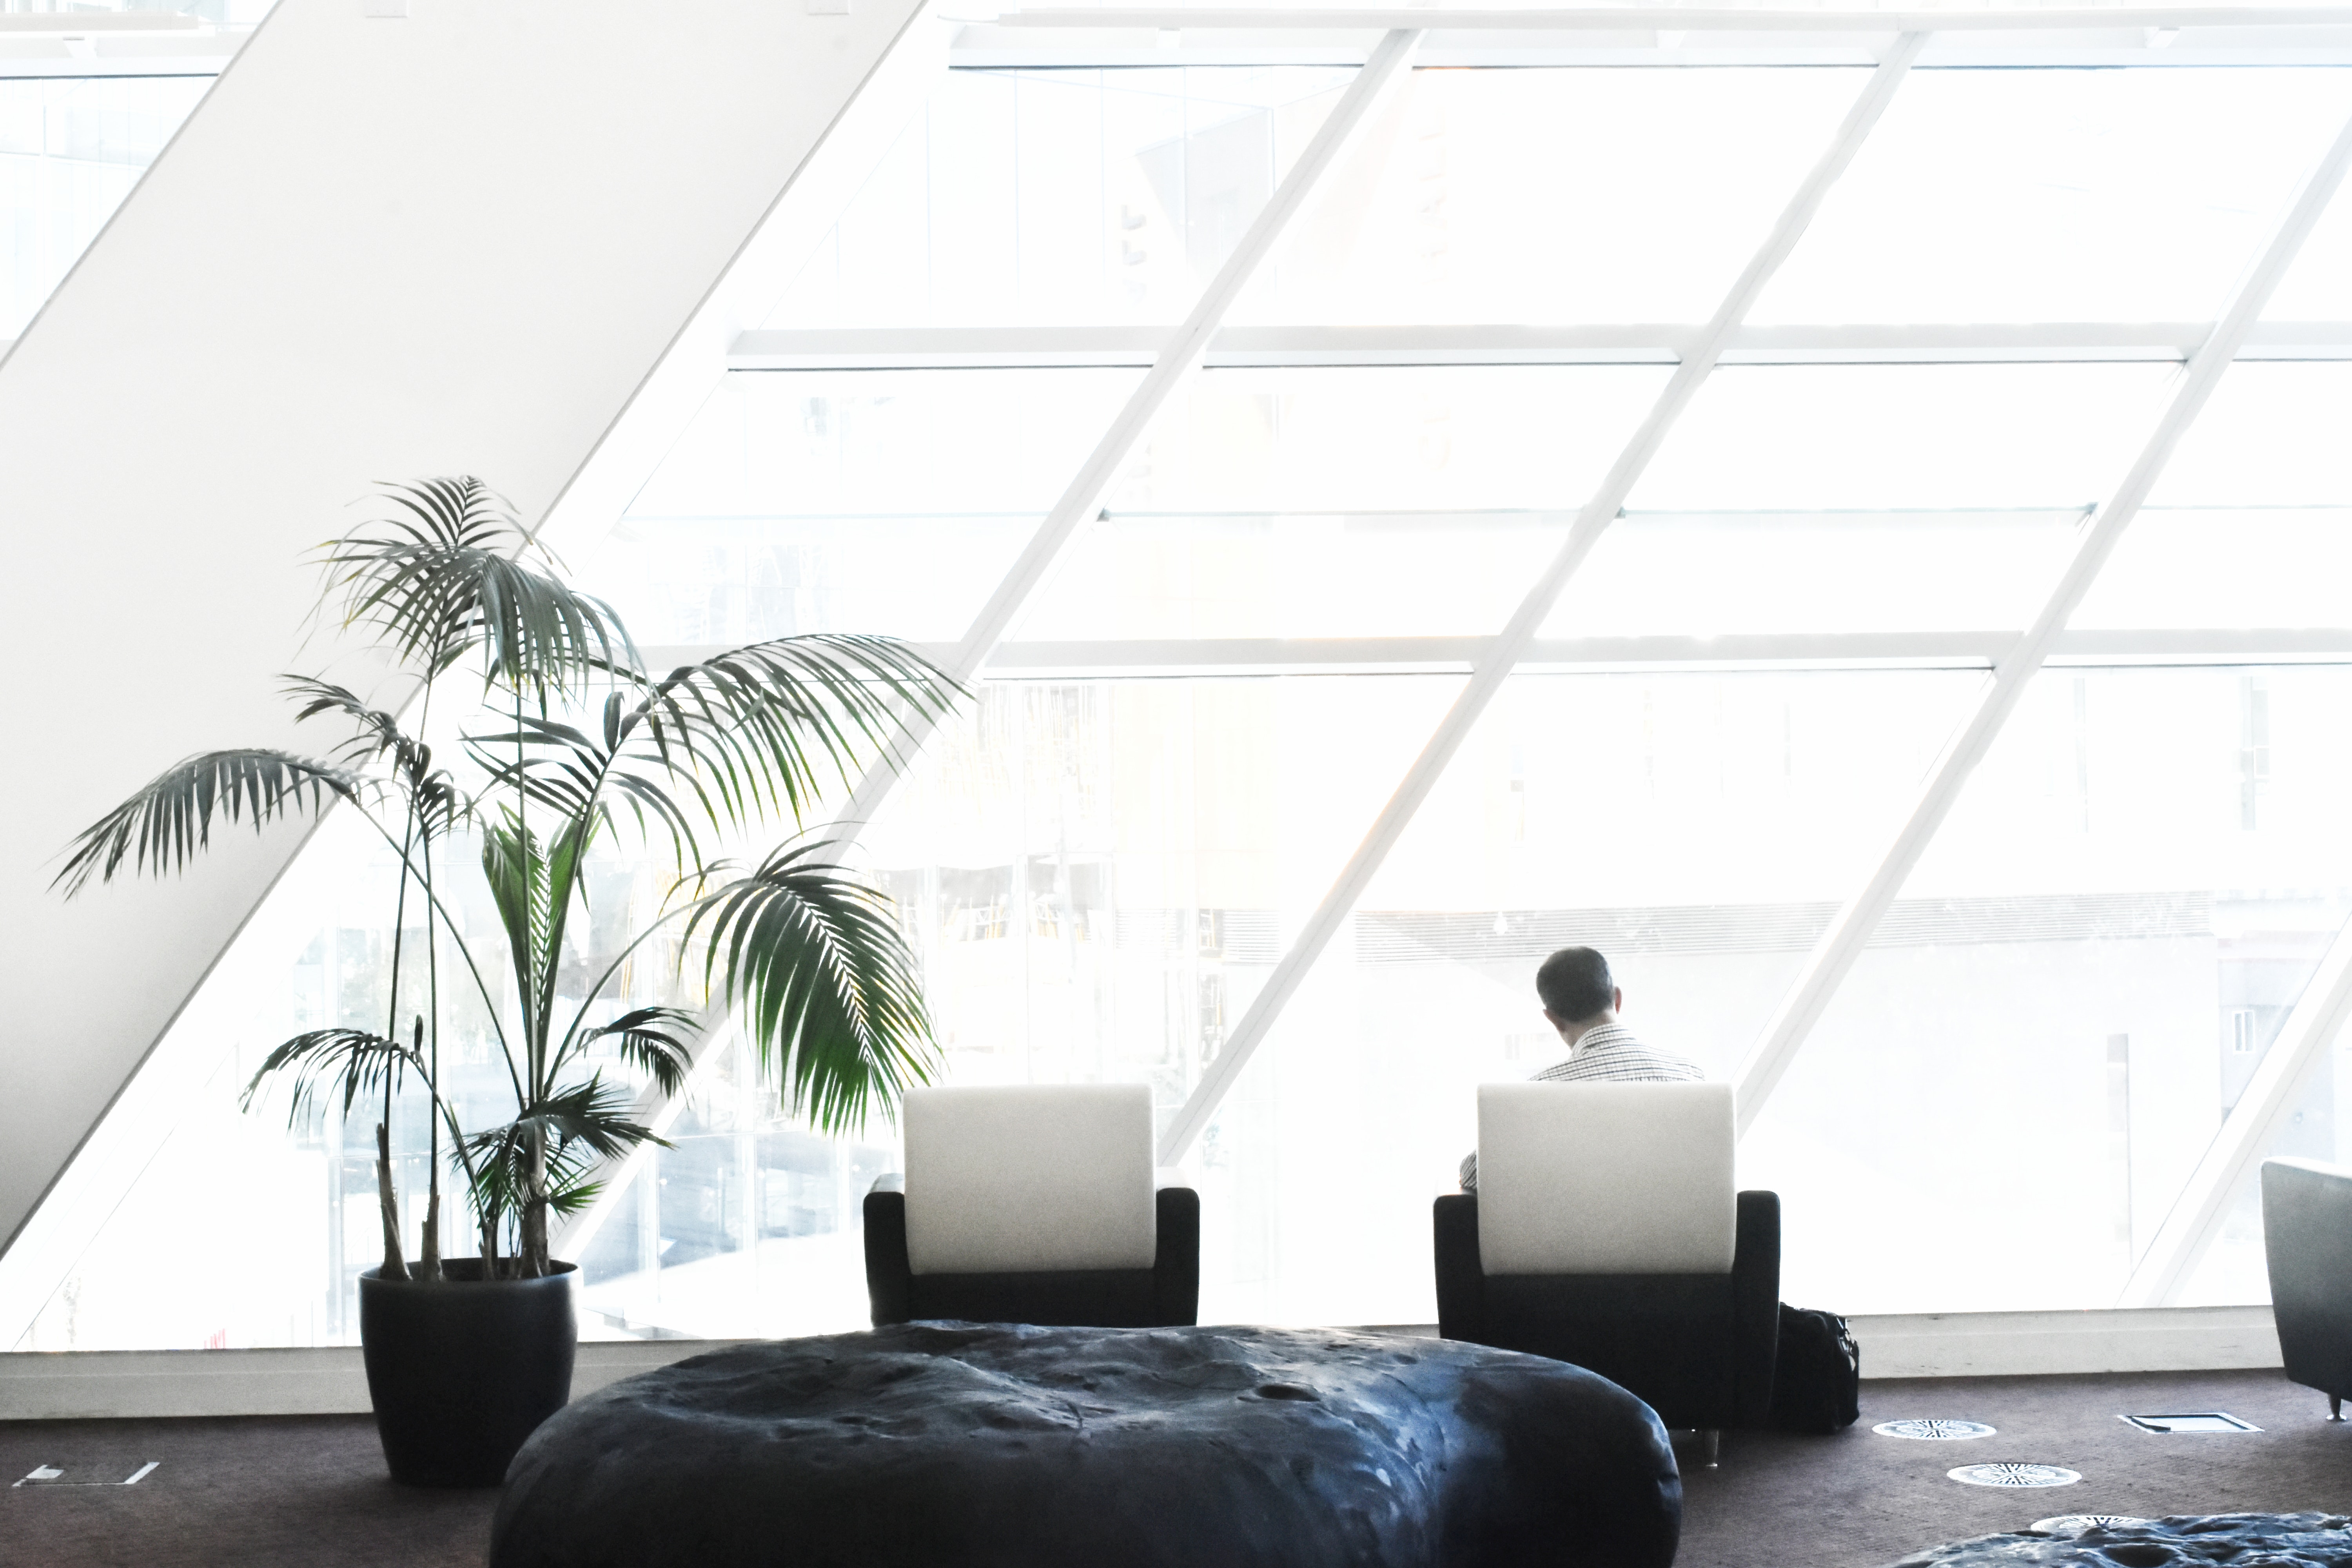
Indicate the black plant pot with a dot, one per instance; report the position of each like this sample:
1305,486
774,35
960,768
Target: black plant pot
462,1370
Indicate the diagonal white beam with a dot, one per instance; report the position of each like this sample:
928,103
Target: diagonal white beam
1842,944
2196,1214
1177,358
1495,663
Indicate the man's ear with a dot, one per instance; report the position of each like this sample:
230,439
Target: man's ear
1616,999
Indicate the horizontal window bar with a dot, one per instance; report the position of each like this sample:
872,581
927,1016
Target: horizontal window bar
1620,19
1770,650
1048,347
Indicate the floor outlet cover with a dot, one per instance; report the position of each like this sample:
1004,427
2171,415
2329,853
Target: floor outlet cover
1933,1431
2006,1475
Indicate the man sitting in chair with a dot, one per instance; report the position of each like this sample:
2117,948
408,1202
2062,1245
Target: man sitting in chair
1582,1000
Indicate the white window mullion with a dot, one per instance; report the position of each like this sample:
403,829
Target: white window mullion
1501,657
1841,946
1178,357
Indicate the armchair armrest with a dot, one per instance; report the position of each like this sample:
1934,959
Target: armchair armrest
1461,1276
1176,1262
1755,1305
890,1278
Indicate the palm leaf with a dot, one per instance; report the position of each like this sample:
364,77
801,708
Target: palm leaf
821,978
653,1039
451,570
359,1061
763,726
167,823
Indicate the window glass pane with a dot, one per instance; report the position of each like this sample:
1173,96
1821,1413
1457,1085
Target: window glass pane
2272,435
1777,438
2045,1033
1525,441
1423,438
1063,195
186,1175
2235,1271
1699,829
71,151
2318,286
1099,877
2060,195
1726,574
1552,196
800,501
2225,570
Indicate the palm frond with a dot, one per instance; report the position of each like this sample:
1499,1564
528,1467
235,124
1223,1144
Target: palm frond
821,978
590,1116
451,570
765,726
358,1061
378,732
169,821
653,1039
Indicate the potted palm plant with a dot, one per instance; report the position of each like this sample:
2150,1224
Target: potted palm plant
569,744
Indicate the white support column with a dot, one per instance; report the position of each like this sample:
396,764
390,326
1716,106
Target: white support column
2204,1202
1496,664
1177,358
1842,944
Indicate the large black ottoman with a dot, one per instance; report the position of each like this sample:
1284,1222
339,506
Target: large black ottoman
2178,1541
971,1445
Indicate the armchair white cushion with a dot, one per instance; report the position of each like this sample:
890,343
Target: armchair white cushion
1030,1179
1606,1178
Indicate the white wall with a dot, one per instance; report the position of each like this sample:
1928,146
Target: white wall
467,240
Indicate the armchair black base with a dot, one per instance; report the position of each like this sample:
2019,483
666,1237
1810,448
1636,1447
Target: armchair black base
1166,1295
1698,1347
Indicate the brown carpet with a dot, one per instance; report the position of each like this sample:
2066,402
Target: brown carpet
1859,1500
311,1492
258,1492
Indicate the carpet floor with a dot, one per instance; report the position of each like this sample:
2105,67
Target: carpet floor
1859,1500
311,1492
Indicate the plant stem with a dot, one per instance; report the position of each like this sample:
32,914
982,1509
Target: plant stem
394,1268
429,1265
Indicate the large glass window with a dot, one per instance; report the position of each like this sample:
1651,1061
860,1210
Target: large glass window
1712,742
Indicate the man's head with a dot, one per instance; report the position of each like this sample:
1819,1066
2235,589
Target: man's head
1576,986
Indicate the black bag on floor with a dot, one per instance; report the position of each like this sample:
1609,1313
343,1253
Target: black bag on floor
1817,1382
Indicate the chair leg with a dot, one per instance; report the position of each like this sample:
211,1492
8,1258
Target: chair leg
2335,1407
1710,1446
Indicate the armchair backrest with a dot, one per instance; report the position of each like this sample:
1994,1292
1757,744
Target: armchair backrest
1030,1178
1605,1178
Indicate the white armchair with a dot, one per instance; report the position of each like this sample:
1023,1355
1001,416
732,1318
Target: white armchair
1035,1205
1606,1231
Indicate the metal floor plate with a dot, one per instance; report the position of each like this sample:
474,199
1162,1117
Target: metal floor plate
1933,1430
2008,1475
